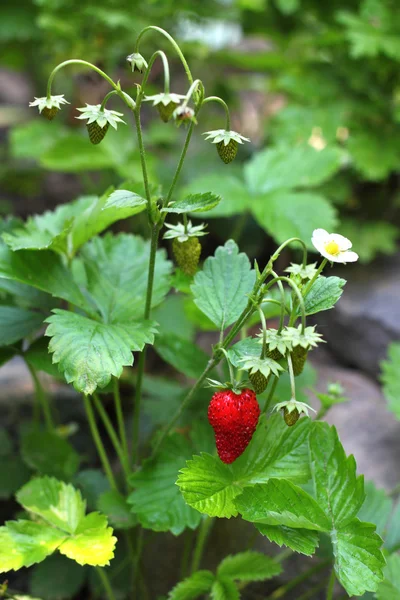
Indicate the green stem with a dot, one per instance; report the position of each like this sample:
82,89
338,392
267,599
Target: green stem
264,332
106,583
270,395
98,443
299,297
164,59
287,587
147,311
230,367
311,282
112,435
224,104
331,585
142,153
76,61
106,98
202,536
283,301
172,41
191,91
180,164
42,397
120,419
290,241
291,376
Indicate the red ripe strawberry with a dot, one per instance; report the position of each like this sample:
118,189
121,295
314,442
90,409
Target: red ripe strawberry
234,418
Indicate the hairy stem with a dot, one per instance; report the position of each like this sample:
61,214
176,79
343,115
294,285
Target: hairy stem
311,282
106,583
98,442
120,419
202,536
42,398
226,108
112,435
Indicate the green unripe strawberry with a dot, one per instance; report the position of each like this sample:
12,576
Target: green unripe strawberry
274,354
228,152
165,111
258,381
187,254
97,133
49,113
292,417
299,357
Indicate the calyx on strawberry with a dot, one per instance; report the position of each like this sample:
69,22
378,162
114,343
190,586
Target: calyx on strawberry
292,411
185,245
234,417
227,143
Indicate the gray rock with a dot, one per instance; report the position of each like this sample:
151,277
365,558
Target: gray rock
367,317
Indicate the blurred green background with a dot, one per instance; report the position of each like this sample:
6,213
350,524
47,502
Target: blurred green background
316,86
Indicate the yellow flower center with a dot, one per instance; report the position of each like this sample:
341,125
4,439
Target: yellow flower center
332,248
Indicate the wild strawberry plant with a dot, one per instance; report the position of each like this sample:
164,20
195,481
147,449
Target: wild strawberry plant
106,301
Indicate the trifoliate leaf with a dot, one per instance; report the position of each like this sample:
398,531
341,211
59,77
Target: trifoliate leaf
89,352
49,454
211,486
197,203
43,270
83,538
57,578
389,589
112,263
324,294
303,541
24,543
156,501
183,355
280,502
115,506
390,378
193,587
249,566
224,589
17,323
220,289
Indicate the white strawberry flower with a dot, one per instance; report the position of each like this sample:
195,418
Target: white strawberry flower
333,246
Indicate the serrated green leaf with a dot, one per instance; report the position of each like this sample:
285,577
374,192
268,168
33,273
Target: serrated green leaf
156,501
24,543
304,541
377,507
92,543
43,270
390,378
89,352
211,486
58,503
389,589
49,454
235,197
57,578
124,199
115,506
249,566
224,589
339,492
182,354
193,587
359,561
220,289
287,168
324,294
194,203
83,538
279,502
247,348
112,263
284,214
